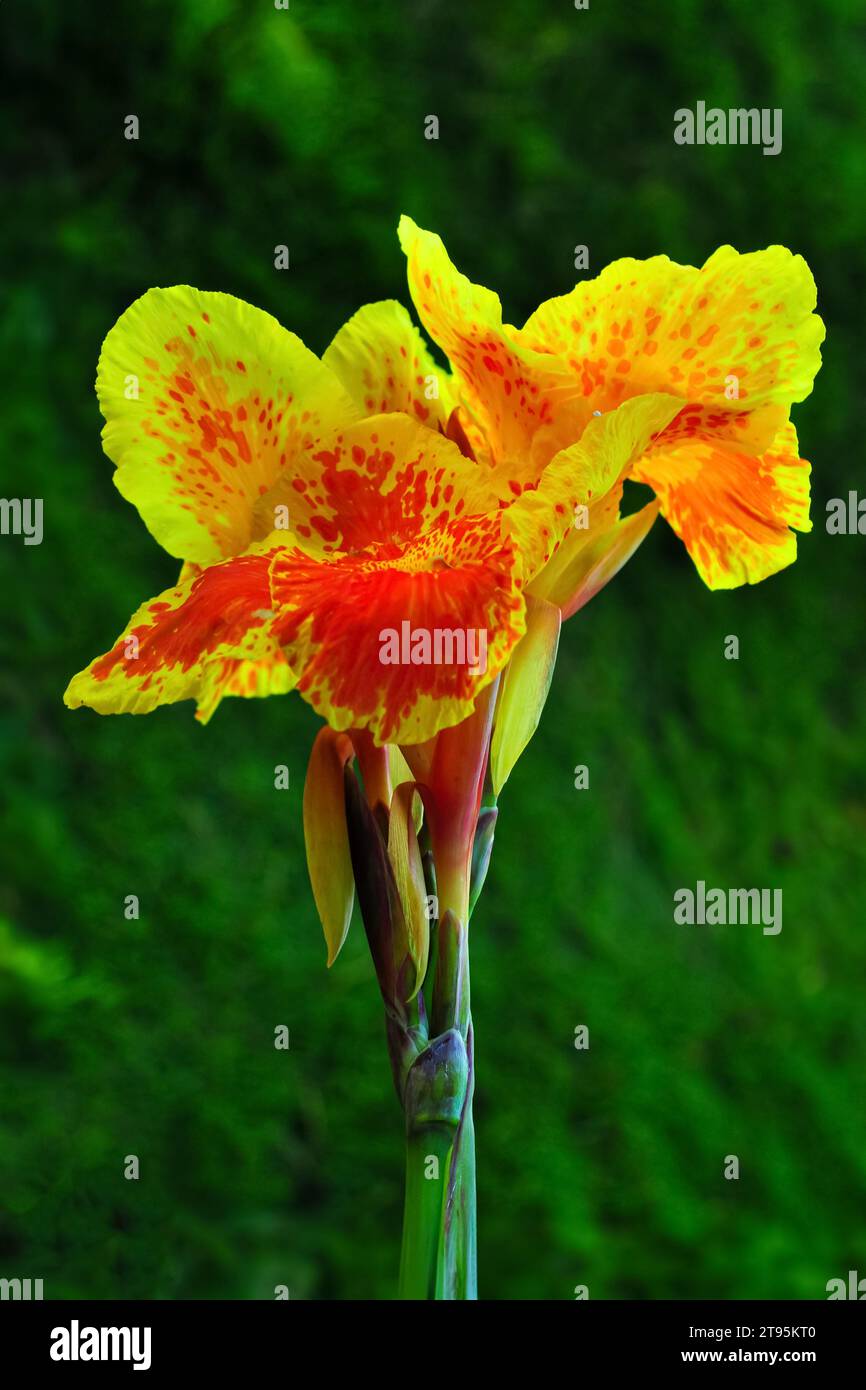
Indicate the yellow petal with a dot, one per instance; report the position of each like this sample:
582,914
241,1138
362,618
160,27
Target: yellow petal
584,481
524,689
405,859
506,388
206,400
398,768
586,562
382,362
327,838
400,771
655,325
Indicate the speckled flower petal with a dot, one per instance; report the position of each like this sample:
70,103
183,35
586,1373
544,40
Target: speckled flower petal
401,640
383,363
206,638
736,513
206,401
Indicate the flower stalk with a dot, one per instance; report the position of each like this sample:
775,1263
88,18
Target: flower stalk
438,1254
429,1024
493,512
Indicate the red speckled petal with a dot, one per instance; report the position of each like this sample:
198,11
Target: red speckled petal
384,365
385,480
738,334
342,619
509,391
204,639
206,399
732,510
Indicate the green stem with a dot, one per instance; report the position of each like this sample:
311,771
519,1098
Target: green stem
463,1283
428,1162
439,1248
439,1232
438,1259
458,1276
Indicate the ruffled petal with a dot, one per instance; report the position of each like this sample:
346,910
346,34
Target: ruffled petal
516,397
743,323
735,342
738,343
385,480
206,400
578,494
731,509
401,640
383,363
204,639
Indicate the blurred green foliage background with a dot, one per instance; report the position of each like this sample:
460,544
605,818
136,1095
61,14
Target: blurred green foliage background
305,127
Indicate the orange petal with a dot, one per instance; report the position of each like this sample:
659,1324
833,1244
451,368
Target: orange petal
384,480
400,639
732,510
206,400
204,639
327,838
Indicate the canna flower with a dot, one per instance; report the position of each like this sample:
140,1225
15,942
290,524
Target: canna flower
314,504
